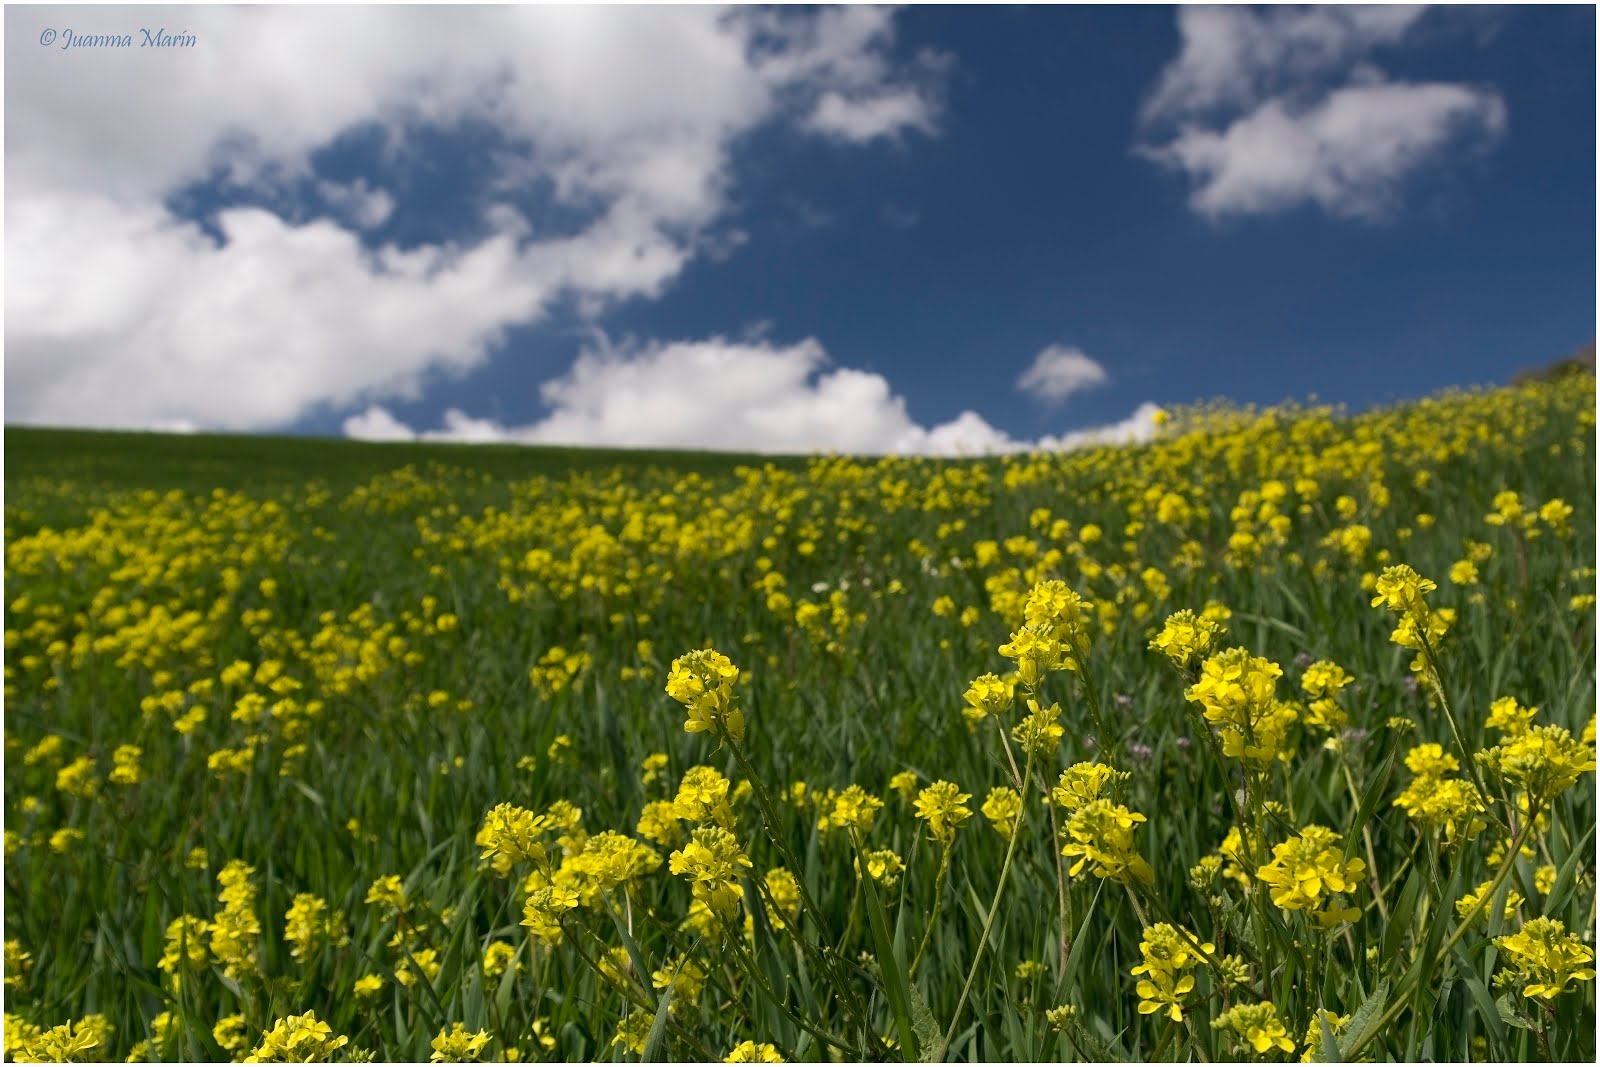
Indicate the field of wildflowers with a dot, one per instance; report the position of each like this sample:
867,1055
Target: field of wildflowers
1271,739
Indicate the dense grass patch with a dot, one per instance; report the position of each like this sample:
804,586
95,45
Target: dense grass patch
383,733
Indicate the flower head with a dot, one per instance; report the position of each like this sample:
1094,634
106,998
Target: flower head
1257,1025
1084,782
942,806
1544,761
1101,834
1001,808
1166,955
753,1052
510,835
297,1039
455,1044
1545,958
712,861
1309,873
1187,639
702,681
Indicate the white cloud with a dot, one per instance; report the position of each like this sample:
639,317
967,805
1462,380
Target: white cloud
367,207
1266,111
1347,155
1137,428
1232,57
120,313
377,424
742,396
866,118
1059,371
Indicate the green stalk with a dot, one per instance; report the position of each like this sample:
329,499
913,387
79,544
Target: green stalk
1486,898
1437,678
840,985
628,990
933,917
1366,837
749,964
1065,947
988,923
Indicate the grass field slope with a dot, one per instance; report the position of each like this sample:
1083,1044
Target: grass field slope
1270,739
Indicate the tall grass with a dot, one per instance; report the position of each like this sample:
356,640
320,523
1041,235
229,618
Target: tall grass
334,666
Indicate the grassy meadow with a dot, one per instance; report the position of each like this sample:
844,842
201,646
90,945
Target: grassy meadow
1272,739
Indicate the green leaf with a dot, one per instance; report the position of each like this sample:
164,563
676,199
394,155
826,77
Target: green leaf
640,970
154,930
310,794
1328,1047
1480,998
894,977
657,1037
924,1025
1076,954
1365,1019
1400,917
1566,878
1509,1014
1278,624
1369,803
508,985
764,948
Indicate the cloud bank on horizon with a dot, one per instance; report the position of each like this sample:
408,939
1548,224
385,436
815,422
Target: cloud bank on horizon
125,312
745,397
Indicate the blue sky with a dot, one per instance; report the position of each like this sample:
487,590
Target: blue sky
806,229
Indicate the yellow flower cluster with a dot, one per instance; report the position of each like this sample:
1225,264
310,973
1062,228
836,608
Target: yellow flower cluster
753,1052
1542,761
1237,692
1166,954
1544,958
456,1044
853,809
1257,1025
1309,873
702,681
1322,682
1101,836
711,861
235,930
1002,807
297,1039
1401,589
67,1043
942,806
1188,639
1085,782
510,835
1434,799
308,926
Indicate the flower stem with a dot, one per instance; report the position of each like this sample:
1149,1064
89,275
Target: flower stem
988,922
933,917
1484,899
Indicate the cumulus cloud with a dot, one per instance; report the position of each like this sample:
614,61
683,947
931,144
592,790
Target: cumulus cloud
1233,57
1267,111
1137,428
867,118
123,312
377,424
367,207
744,396
1348,154
1058,372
